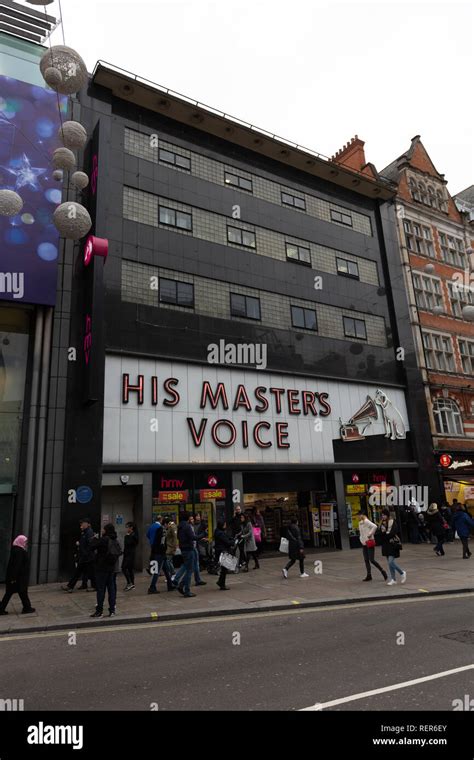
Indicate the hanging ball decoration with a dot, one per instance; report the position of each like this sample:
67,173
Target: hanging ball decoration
63,158
58,175
72,135
72,220
80,180
468,313
10,203
438,310
429,268
71,66
40,2
53,77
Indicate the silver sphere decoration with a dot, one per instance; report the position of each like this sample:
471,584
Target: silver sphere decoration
71,66
438,310
53,77
80,180
468,313
63,158
72,135
58,175
429,268
40,2
10,203
72,220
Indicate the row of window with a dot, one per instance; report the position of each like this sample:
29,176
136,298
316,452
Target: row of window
439,353
182,294
427,195
247,239
428,294
419,240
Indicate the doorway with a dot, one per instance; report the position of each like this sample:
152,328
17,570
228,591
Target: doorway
120,505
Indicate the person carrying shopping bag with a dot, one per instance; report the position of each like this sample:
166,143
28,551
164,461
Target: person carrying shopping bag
391,546
295,549
367,531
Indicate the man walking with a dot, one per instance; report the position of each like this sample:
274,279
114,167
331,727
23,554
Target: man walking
85,559
462,525
366,536
187,541
158,558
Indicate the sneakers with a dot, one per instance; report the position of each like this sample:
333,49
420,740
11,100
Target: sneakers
392,582
112,614
129,586
67,589
403,578
284,572
92,589
304,575
97,614
188,596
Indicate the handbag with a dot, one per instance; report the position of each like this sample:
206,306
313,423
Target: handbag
228,561
370,543
257,532
284,545
395,541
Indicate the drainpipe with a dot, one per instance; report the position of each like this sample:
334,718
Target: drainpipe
42,420
30,451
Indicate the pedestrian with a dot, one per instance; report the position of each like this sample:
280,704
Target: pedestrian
367,530
158,558
200,532
195,568
295,548
85,559
413,526
447,516
16,580
391,545
438,528
150,534
202,540
236,529
171,543
259,530
187,540
107,558
462,524
422,527
130,543
222,543
250,545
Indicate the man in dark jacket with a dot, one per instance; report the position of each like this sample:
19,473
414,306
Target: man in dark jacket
222,543
187,542
158,559
85,558
107,557
462,525
16,581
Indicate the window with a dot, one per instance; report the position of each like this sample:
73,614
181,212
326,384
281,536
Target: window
237,181
460,297
340,218
354,328
447,417
427,291
172,218
237,236
347,268
177,293
414,190
441,202
293,200
175,159
304,318
452,250
428,242
244,306
298,253
466,349
431,197
438,351
409,235
422,189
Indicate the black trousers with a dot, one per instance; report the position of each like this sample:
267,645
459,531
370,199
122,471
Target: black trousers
22,593
255,558
292,562
369,559
222,576
465,546
128,571
84,570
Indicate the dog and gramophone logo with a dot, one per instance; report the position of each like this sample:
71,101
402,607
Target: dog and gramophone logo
361,421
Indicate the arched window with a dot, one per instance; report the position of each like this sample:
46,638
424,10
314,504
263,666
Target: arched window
447,416
441,201
422,192
431,197
414,189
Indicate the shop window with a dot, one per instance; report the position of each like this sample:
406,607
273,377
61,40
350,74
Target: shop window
293,200
304,318
236,236
347,268
177,293
298,253
447,417
354,328
235,180
244,306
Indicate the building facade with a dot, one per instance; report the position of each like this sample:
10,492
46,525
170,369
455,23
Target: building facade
435,233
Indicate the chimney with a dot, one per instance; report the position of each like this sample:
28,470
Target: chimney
352,155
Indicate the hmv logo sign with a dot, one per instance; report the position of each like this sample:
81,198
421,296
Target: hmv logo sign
171,483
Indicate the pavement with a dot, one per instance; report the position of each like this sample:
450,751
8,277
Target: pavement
337,580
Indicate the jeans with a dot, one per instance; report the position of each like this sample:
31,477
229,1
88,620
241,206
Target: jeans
12,589
369,559
195,570
162,564
84,570
106,580
439,545
188,565
197,575
392,567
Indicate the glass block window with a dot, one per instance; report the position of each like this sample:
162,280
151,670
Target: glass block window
139,206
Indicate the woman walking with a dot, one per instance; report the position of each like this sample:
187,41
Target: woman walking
366,537
437,528
130,543
391,545
250,546
295,548
462,525
16,581
222,543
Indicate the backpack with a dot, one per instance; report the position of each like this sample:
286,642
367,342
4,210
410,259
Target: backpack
113,552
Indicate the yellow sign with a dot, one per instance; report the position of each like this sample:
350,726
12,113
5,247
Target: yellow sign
359,488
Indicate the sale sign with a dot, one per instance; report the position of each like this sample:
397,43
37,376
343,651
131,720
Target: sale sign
171,497
206,494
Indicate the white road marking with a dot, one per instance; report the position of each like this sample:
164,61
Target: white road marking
364,694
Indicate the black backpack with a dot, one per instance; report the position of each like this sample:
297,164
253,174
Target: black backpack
114,551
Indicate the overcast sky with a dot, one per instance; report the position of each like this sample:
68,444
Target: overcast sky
314,72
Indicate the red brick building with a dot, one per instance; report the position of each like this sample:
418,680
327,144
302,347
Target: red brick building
436,235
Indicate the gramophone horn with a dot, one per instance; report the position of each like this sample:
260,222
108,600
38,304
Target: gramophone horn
367,411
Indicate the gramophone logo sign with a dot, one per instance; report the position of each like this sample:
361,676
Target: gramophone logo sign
360,421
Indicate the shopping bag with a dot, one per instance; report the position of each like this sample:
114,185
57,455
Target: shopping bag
228,561
283,545
257,532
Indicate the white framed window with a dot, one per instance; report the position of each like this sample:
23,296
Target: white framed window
466,349
452,250
428,242
459,298
428,292
236,236
438,351
447,417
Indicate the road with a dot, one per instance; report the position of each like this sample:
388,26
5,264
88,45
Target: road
267,661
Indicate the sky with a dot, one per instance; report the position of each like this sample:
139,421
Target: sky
313,72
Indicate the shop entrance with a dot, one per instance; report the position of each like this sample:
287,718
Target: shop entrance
121,505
